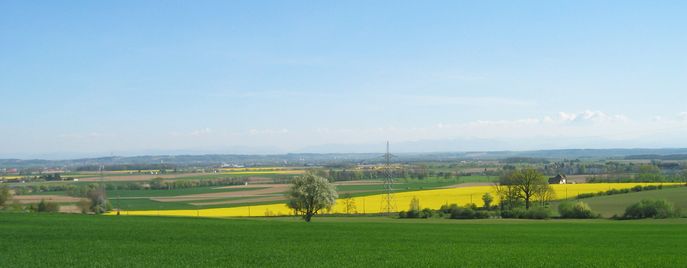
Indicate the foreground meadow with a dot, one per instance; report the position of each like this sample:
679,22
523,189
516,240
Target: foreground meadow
58,240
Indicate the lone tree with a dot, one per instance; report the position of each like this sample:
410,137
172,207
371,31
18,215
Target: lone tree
309,194
528,182
98,200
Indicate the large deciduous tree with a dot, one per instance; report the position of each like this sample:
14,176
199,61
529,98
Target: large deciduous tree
524,184
98,200
529,182
309,194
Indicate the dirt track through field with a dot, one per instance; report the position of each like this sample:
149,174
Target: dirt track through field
145,177
270,191
358,182
32,199
279,197
70,209
469,184
241,201
577,178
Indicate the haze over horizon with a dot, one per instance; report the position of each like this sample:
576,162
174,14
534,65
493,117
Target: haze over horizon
132,77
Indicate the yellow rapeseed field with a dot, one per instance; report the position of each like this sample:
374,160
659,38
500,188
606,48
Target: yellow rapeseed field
376,203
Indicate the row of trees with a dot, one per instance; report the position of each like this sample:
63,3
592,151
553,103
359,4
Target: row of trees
5,195
419,173
136,167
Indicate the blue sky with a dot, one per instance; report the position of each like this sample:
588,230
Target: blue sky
128,77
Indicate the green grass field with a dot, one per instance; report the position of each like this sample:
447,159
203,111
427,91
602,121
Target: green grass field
615,204
54,240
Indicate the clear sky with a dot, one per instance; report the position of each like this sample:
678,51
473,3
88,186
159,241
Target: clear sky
128,77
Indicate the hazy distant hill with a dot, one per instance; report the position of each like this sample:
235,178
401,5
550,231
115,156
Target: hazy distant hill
339,158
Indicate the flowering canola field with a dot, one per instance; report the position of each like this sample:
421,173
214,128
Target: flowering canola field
400,201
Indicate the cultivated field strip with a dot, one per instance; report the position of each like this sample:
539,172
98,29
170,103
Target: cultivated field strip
376,203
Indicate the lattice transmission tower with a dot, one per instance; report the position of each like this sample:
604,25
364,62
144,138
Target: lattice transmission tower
388,204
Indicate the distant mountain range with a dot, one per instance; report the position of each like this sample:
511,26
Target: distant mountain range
348,158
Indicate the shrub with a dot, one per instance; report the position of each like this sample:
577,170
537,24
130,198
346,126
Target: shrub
539,213
613,191
481,214
585,195
413,214
649,187
47,207
463,213
577,210
469,213
511,213
446,209
426,213
414,211
657,209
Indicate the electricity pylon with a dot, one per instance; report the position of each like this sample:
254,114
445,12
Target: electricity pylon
388,202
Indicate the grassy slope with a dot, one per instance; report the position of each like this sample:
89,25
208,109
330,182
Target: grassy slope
616,204
87,241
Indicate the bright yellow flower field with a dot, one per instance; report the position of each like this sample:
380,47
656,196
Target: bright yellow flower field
376,203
